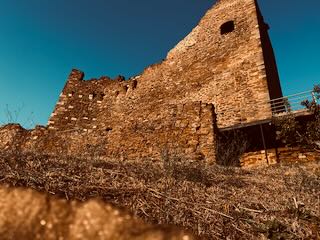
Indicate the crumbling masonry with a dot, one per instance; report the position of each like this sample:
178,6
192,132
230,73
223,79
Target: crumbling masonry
222,74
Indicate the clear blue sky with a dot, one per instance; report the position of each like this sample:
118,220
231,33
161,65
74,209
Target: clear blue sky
42,40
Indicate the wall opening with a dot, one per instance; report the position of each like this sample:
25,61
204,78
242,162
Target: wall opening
227,27
101,96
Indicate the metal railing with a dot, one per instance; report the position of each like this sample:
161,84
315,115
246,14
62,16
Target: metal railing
292,103
283,105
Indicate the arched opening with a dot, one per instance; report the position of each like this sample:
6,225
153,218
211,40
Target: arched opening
227,27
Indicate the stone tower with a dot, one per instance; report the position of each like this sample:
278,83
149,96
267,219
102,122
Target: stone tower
228,60
225,66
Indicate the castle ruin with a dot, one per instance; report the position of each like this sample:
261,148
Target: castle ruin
222,75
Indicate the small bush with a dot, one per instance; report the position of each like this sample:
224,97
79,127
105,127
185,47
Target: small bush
291,132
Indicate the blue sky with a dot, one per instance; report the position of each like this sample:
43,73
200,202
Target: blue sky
42,40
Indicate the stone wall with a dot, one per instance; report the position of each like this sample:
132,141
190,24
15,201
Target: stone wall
227,70
280,155
11,136
223,62
174,131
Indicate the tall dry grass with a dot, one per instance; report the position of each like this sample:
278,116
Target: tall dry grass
278,202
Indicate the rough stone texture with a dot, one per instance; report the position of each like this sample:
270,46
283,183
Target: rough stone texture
9,135
169,107
27,214
280,155
228,71
184,131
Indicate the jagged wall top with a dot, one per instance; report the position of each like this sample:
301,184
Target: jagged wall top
227,70
224,66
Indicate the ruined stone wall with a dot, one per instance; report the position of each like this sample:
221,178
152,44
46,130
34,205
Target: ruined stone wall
280,155
173,131
221,63
81,102
227,70
184,132
9,136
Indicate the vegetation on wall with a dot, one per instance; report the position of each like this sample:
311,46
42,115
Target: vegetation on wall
9,115
306,134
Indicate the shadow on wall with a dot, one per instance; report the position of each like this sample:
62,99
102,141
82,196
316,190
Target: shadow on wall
232,144
230,147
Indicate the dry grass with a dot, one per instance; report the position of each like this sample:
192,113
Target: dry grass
279,202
